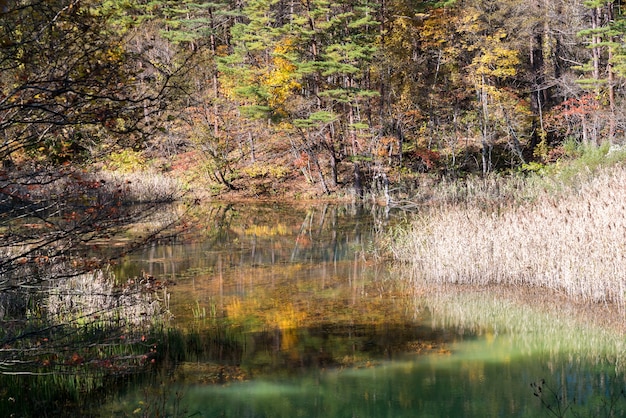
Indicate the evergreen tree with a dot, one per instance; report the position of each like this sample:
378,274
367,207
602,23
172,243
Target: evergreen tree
604,38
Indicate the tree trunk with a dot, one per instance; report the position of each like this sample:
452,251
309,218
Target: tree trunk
486,152
611,77
358,181
320,174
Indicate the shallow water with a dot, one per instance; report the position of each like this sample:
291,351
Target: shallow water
284,316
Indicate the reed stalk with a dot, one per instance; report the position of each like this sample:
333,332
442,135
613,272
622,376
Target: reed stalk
573,241
143,187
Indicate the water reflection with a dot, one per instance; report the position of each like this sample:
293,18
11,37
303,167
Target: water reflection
278,313
258,235
532,322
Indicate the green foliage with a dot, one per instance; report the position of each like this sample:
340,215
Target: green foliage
589,154
324,78
445,3
533,167
541,150
572,147
126,161
263,170
256,111
582,161
315,119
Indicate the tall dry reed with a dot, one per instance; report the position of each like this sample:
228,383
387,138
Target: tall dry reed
573,242
143,187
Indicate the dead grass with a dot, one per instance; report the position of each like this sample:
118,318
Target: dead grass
573,242
143,187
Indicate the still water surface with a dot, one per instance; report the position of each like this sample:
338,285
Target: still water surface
287,315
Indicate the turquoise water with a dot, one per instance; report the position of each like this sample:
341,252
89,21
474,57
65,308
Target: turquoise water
475,379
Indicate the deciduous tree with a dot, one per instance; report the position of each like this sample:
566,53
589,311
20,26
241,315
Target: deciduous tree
69,89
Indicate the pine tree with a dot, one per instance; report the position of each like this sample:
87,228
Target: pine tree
604,39
306,63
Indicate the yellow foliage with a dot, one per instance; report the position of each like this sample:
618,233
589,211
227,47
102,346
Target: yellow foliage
265,230
234,309
281,80
126,161
495,60
385,146
287,318
221,50
404,30
241,310
470,23
265,170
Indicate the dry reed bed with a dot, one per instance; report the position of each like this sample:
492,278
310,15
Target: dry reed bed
143,187
573,243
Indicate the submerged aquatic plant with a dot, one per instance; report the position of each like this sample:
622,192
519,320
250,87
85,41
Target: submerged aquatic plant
71,337
557,403
94,295
553,402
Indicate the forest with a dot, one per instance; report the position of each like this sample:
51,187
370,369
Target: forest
266,97
123,121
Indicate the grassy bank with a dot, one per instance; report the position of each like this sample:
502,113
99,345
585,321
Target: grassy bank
570,237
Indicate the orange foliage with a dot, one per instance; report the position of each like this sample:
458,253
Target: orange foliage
385,145
185,161
566,117
75,360
427,157
302,161
578,107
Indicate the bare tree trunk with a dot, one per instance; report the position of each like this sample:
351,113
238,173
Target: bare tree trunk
358,181
611,78
486,152
325,188
251,145
215,77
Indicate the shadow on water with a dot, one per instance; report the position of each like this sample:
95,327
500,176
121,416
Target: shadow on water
467,367
469,353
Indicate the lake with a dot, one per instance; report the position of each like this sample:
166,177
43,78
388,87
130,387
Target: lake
286,311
